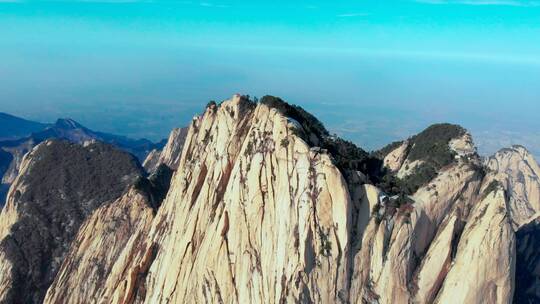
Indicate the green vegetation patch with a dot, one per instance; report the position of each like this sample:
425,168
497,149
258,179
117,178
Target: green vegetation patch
309,122
382,153
431,147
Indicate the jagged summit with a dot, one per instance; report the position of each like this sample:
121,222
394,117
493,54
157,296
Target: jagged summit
437,145
309,124
412,163
518,171
519,149
170,154
346,155
263,205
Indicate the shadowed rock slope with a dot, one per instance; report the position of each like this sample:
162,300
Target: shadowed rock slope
528,263
59,186
120,226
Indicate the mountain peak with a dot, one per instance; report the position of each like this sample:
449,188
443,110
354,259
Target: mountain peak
514,149
413,163
68,123
258,203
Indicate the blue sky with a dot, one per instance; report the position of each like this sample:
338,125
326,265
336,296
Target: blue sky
373,71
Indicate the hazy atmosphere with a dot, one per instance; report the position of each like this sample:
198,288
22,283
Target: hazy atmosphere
114,188
373,72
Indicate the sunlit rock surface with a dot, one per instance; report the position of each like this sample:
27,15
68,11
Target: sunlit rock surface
170,155
259,212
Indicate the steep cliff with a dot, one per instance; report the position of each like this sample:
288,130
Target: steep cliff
121,227
265,206
451,241
528,263
59,185
252,215
170,155
517,170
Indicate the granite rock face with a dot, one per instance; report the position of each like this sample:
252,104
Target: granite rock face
519,172
170,154
105,246
262,205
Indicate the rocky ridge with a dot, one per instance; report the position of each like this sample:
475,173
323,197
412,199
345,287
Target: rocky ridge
264,206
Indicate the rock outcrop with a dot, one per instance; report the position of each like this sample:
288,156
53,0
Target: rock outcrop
170,155
60,184
417,160
122,227
517,170
262,205
105,245
16,150
483,268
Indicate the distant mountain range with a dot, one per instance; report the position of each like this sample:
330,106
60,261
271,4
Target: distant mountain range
15,127
18,136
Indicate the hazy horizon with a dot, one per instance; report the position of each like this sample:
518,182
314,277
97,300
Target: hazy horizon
371,72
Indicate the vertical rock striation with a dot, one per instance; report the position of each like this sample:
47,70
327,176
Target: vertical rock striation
517,170
253,215
264,206
170,155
